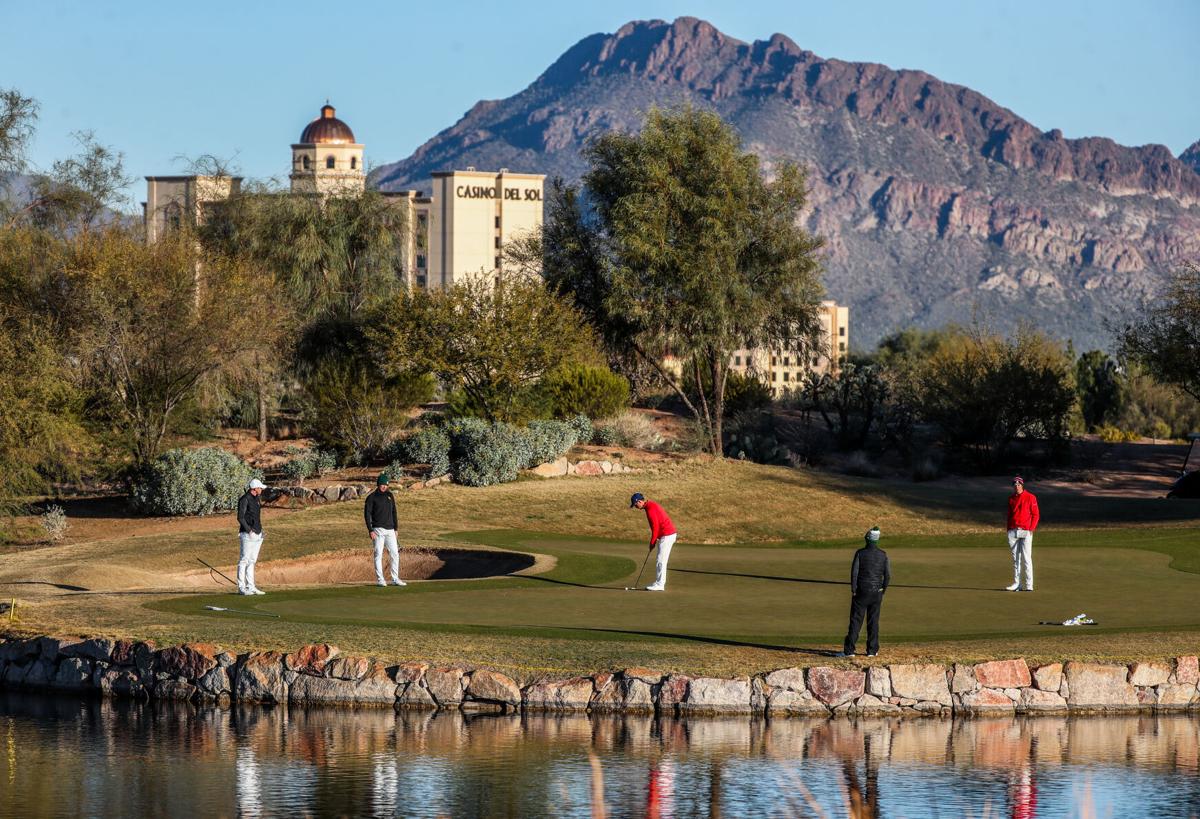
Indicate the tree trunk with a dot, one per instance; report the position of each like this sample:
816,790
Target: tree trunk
719,370
261,390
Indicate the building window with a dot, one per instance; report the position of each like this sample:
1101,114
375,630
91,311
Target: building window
841,346
420,260
497,266
173,216
497,241
772,361
774,376
785,363
353,162
421,281
785,376
737,361
842,332
306,163
497,221
816,361
330,162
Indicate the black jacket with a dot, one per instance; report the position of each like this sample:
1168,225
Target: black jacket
249,514
871,571
380,510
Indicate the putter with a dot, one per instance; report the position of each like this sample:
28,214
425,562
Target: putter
212,569
242,611
638,582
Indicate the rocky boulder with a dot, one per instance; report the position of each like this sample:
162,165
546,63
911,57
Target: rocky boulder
921,682
1144,674
190,660
715,694
260,678
791,679
835,686
1093,685
879,682
1003,674
1048,677
986,700
672,692
786,702
494,687
1187,670
312,659
445,685
559,695
73,674
553,469
1034,699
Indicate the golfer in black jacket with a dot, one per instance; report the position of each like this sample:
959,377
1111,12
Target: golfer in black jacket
250,536
869,577
380,515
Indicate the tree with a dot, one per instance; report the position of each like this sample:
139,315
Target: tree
1101,387
983,391
493,341
1166,341
684,251
18,114
81,189
152,325
849,401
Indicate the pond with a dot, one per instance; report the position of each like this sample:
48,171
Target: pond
74,756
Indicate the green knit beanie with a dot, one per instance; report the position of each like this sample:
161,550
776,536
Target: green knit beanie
382,479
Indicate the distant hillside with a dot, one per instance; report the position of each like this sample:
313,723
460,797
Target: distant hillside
937,203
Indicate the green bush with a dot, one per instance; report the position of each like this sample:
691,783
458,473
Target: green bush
743,392
430,445
307,463
583,428
489,455
548,441
191,482
577,389
1116,435
631,429
347,408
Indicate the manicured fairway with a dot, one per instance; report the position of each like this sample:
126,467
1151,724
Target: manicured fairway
777,596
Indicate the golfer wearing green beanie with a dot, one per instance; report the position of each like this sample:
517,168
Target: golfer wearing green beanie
380,514
870,574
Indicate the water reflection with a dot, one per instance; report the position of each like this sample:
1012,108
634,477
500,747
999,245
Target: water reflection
66,756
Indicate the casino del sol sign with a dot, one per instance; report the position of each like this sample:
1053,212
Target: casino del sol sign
494,192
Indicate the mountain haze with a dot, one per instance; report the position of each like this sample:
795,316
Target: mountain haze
937,204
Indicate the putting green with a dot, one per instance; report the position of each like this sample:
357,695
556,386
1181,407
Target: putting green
781,595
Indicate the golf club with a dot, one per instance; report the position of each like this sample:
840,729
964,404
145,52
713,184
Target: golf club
212,569
241,611
638,582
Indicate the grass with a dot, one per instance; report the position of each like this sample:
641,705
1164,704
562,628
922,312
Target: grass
758,579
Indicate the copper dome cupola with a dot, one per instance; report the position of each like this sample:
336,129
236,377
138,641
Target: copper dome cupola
327,130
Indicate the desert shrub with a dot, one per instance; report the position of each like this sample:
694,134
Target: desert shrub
861,464
744,392
54,522
548,441
631,429
307,463
926,468
577,389
752,436
1116,435
349,409
582,425
430,445
490,454
191,482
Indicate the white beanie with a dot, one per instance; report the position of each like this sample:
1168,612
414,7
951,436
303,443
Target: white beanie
873,535
255,483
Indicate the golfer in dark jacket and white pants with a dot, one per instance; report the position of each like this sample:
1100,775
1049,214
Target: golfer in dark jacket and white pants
250,536
380,514
870,574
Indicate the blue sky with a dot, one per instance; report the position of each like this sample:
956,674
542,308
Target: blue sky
163,80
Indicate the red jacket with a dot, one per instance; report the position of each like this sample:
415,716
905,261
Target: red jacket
1023,511
660,524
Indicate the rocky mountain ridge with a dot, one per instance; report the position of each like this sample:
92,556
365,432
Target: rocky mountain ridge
937,204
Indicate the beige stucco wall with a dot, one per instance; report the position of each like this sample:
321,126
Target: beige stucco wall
182,197
346,176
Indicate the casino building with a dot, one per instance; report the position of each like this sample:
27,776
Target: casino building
459,230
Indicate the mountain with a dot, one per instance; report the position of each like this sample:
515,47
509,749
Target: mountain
937,204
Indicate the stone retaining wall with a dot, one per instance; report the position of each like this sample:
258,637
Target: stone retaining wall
322,675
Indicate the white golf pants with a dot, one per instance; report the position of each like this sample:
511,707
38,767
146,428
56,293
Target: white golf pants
250,546
664,545
386,537
1020,541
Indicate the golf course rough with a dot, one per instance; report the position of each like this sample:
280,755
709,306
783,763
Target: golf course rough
321,675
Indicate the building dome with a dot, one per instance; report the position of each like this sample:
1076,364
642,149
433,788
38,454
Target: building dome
327,130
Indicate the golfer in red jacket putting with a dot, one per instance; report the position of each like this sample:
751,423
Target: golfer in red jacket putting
662,535
1023,517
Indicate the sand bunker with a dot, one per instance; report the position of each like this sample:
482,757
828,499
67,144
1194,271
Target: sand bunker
357,566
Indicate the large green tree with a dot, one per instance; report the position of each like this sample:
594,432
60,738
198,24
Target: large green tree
1166,340
682,249
493,340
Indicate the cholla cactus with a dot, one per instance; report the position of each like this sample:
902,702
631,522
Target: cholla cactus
54,521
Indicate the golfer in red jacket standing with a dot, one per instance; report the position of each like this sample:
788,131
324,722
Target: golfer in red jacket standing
662,535
1023,517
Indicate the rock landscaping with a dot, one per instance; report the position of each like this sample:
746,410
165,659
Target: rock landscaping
320,675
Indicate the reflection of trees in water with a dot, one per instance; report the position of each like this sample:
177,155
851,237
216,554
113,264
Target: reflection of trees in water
374,761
